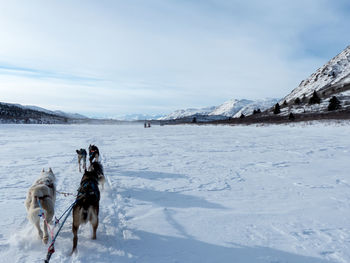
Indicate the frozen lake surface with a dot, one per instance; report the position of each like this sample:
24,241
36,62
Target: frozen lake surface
269,194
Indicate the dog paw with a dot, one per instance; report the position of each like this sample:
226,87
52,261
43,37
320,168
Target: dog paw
45,240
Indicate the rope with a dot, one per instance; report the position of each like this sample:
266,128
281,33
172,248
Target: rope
51,248
42,214
65,194
57,220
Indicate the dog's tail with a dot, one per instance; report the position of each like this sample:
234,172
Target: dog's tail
85,214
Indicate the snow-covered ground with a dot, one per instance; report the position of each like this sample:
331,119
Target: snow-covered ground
267,194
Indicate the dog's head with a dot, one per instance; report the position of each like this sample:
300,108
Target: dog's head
92,148
81,152
48,176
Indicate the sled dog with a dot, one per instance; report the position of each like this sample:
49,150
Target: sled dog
86,207
40,200
94,153
98,168
81,157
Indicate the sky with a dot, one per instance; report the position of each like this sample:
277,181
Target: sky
110,58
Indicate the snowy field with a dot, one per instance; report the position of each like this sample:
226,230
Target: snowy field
270,194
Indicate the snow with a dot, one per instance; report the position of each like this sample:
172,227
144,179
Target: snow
240,194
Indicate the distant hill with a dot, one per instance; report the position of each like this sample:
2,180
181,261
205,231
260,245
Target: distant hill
17,113
138,117
57,112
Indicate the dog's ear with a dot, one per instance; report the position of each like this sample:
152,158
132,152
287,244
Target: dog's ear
43,170
77,151
50,170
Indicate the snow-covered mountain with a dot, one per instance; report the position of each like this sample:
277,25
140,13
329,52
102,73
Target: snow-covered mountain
262,104
232,108
334,74
332,79
188,112
138,117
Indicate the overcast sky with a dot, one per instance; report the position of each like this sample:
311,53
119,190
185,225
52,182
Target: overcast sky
108,58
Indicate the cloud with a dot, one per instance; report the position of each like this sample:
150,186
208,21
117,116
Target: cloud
156,56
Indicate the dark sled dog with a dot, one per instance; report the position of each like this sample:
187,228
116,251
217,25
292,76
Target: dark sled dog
94,153
87,204
81,157
98,168
40,201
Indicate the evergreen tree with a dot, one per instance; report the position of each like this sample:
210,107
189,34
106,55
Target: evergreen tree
334,104
277,109
297,101
285,103
303,99
242,116
291,116
315,98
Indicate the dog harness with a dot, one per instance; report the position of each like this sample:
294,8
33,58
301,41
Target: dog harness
92,154
42,197
89,190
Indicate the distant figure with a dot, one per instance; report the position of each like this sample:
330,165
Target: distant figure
94,153
149,125
145,125
81,157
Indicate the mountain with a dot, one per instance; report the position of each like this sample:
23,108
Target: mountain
178,114
229,109
57,112
262,104
139,117
14,113
332,79
17,113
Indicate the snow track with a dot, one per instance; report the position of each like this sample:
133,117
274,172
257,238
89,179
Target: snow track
272,194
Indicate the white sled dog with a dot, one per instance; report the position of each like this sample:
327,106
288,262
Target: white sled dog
43,191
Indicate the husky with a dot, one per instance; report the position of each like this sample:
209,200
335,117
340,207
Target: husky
87,205
81,157
98,168
41,200
94,153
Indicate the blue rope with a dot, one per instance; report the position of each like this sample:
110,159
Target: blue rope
51,249
41,209
57,220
